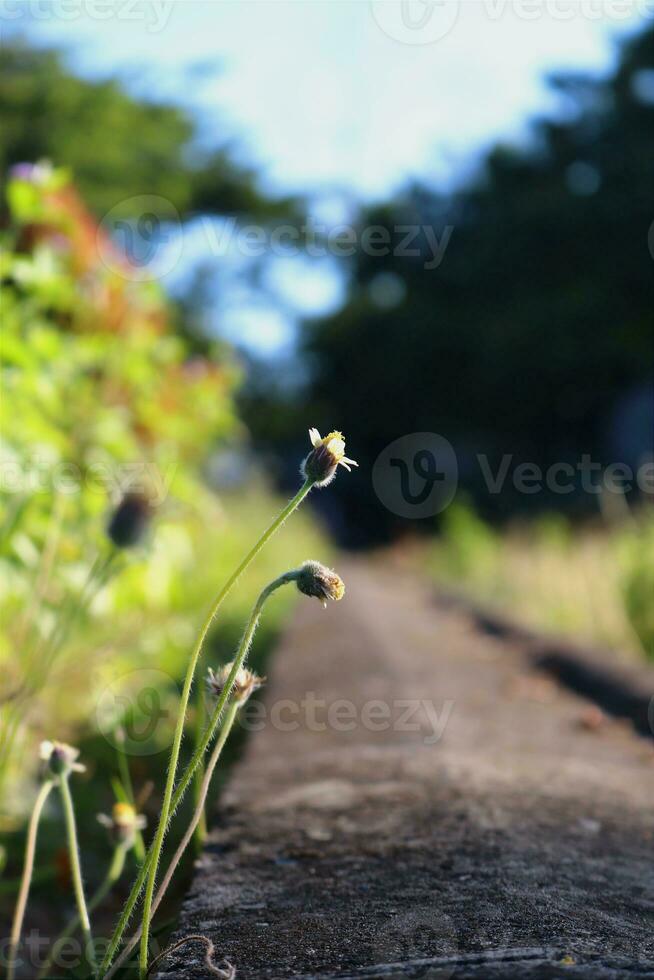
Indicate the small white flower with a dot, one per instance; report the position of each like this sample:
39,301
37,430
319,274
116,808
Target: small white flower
245,682
123,823
60,758
327,454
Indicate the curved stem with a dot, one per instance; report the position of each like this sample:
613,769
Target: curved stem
110,879
190,830
198,755
28,868
150,864
200,721
126,780
238,660
75,868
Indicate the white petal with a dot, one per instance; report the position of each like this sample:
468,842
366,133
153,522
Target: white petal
314,436
45,750
336,446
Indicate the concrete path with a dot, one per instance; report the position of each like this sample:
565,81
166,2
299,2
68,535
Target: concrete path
422,801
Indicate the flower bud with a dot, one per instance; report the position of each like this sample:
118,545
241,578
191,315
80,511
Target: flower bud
245,682
129,520
317,580
327,454
60,759
123,824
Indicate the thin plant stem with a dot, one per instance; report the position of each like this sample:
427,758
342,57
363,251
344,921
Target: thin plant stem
150,864
245,644
46,562
28,868
113,874
200,719
97,577
190,830
126,779
197,757
75,868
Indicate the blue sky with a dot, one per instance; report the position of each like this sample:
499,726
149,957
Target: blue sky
341,94
347,97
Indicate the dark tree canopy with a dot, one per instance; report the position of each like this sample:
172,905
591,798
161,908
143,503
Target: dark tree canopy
116,145
536,325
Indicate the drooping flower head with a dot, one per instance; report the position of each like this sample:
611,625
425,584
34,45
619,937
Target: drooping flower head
60,759
123,824
245,682
314,579
129,520
327,454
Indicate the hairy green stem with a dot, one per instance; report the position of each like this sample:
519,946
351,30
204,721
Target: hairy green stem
200,720
113,874
75,868
28,868
240,657
190,770
190,830
126,780
150,864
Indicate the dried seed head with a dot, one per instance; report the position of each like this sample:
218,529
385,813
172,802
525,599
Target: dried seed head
129,521
317,580
123,824
245,682
327,454
60,759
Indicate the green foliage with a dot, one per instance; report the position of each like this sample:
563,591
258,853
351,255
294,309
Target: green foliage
595,583
116,144
46,112
469,545
638,585
99,394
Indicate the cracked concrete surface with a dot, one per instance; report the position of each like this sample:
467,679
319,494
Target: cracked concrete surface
509,835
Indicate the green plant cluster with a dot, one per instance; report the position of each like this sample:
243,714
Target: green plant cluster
99,395
595,582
